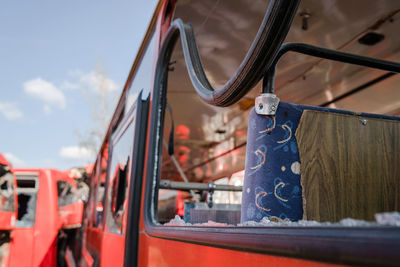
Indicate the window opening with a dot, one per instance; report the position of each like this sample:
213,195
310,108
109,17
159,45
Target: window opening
119,192
210,146
27,189
119,176
100,188
207,145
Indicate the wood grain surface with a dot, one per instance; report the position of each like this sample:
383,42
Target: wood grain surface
348,168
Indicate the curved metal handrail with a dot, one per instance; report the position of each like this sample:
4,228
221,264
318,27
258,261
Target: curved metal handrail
325,53
262,52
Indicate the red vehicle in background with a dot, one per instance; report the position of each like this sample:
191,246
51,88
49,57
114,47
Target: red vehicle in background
49,214
8,204
192,168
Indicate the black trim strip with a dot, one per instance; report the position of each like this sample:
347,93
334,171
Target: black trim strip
134,202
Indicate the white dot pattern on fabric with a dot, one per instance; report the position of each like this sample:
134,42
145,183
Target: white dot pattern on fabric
295,167
283,168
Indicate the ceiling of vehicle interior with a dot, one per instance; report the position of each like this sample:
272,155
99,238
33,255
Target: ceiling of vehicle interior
224,30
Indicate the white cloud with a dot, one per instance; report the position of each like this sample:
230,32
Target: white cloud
98,82
10,111
14,160
46,92
76,153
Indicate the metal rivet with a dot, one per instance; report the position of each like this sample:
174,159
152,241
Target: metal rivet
364,122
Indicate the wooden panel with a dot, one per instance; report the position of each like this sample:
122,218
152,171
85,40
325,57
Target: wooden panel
348,169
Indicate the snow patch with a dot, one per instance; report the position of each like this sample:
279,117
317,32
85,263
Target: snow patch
177,221
388,218
382,219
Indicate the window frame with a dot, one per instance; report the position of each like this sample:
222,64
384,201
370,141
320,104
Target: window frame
34,191
330,244
120,129
136,180
101,222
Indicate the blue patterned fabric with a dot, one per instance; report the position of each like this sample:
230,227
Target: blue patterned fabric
272,174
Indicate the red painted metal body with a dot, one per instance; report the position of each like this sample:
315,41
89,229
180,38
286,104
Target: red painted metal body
37,245
165,253
7,220
3,160
153,251
8,210
8,217
101,248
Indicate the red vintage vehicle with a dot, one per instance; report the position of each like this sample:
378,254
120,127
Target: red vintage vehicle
190,175
8,208
49,214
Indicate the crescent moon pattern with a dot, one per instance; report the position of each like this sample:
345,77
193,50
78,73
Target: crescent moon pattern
259,152
286,127
276,195
270,128
261,194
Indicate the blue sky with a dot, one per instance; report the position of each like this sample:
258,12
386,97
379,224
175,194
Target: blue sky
55,58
